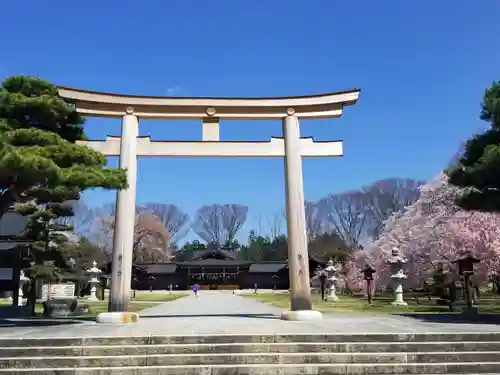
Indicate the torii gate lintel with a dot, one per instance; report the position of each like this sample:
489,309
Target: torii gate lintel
146,147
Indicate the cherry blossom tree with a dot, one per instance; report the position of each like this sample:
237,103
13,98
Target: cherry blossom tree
473,233
152,240
434,229
352,279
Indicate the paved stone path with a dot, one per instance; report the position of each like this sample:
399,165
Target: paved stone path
220,312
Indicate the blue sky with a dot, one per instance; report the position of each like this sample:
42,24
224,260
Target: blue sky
422,67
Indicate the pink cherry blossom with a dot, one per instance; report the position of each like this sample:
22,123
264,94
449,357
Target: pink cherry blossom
434,229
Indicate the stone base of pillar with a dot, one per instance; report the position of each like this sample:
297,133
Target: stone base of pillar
331,298
399,303
301,315
117,317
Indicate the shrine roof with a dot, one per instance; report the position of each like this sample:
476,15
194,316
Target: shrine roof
311,260
213,254
160,268
214,262
267,267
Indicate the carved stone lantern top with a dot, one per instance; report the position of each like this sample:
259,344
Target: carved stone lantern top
22,277
332,267
396,257
331,270
397,261
94,269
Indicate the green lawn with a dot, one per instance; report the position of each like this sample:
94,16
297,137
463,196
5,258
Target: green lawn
141,301
96,307
157,296
381,305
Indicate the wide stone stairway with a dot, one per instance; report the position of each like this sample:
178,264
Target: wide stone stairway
220,333
469,353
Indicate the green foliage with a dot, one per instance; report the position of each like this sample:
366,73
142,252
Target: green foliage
187,251
41,164
323,247
38,154
48,243
261,248
328,246
82,255
477,171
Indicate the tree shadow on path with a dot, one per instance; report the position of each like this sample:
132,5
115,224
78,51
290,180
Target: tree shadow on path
222,315
36,322
455,318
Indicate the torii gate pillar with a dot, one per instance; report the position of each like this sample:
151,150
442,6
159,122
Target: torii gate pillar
123,237
300,301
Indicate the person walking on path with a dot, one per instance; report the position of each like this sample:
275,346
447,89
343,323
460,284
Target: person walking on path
196,287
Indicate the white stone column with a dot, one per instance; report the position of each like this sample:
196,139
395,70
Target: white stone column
123,239
298,260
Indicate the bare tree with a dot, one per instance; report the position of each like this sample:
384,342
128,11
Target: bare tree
171,216
82,219
347,214
314,220
386,197
275,225
219,223
258,221
207,224
315,223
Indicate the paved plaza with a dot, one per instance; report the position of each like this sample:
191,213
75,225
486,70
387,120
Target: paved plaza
220,312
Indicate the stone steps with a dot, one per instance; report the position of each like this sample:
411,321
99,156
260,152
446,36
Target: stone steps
246,358
281,369
290,347
255,354
257,338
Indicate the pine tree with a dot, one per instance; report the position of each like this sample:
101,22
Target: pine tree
38,153
48,255
477,170
42,167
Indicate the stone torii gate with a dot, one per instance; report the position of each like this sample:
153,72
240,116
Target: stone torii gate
291,147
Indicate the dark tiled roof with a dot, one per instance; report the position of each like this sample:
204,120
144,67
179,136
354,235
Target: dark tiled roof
206,254
267,267
214,262
311,260
160,268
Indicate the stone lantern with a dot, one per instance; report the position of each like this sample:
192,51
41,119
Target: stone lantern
466,265
22,280
396,262
465,271
331,272
93,281
368,272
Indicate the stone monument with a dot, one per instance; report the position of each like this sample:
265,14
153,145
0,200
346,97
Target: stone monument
396,262
331,272
22,280
94,281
